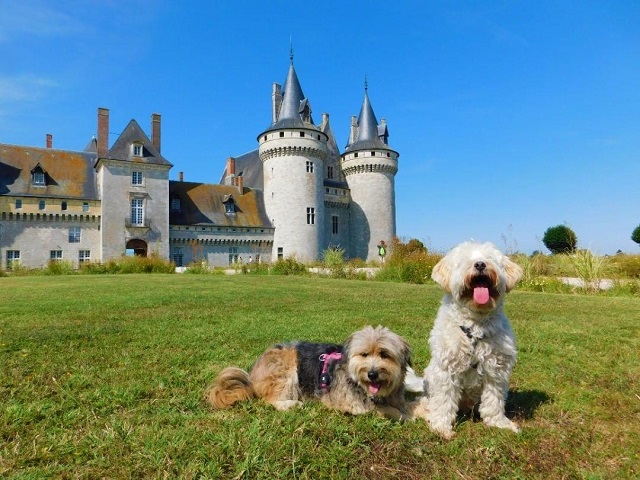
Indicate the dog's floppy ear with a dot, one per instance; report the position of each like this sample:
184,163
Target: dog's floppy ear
513,273
441,274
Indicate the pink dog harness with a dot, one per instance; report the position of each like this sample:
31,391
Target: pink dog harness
326,359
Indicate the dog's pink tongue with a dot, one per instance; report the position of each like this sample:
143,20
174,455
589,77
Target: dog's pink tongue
373,388
481,295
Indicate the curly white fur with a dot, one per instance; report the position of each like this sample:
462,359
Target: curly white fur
473,348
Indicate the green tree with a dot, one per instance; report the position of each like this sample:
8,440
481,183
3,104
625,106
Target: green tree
560,239
635,236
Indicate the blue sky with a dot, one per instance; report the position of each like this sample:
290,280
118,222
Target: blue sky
509,116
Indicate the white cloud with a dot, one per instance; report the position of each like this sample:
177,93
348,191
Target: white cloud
23,88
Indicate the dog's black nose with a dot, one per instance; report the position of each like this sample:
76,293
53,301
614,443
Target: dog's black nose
373,375
480,266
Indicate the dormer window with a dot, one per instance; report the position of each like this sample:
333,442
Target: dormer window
175,204
229,204
38,177
137,149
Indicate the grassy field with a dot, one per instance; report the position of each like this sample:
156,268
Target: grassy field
103,376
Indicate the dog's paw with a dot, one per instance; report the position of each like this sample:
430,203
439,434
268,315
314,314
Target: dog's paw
505,423
286,404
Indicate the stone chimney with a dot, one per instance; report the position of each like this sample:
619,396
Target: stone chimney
103,131
354,129
230,171
49,140
155,130
276,102
180,176
240,184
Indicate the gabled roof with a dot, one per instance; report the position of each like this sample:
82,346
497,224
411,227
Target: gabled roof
368,129
203,204
121,149
68,174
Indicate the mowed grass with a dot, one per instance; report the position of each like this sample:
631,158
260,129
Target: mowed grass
103,376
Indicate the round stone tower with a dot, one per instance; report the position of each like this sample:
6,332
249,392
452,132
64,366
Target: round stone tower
293,151
370,166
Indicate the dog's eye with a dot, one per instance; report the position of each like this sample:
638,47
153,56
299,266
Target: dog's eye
364,354
384,354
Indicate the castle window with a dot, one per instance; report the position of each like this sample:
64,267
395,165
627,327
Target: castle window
309,167
18,203
37,177
55,255
13,258
330,172
281,134
42,204
230,206
355,155
233,255
175,204
137,149
85,206
311,216
74,234
136,178
334,224
84,256
301,134
388,154
63,205
137,211
280,253
373,154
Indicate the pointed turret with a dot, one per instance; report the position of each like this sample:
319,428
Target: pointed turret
370,165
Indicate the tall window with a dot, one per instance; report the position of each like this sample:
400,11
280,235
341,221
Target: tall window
178,257
137,211
85,206
280,253
334,224
74,234
18,203
175,204
13,257
55,255
63,205
233,255
84,256
41,205
137,150
330,172
136,178
309,167
311,216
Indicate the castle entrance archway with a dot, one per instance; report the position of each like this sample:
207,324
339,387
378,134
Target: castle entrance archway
137,246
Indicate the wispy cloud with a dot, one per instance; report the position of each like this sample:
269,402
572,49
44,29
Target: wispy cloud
35,18
23,88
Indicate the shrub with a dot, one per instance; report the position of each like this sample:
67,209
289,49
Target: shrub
198,267
59,267
589,268
288,266
93,268
560,239
635,235
408,262
626,266
334,260
137,264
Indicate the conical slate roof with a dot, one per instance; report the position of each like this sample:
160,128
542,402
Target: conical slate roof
293,104
368,136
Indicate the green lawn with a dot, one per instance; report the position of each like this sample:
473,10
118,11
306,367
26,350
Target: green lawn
103,376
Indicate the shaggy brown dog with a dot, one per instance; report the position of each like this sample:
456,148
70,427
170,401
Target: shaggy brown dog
363,375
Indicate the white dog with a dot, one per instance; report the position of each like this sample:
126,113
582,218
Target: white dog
473,348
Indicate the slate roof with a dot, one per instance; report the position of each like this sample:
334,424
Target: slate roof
203,204
248,166
68,174
368,130
121,149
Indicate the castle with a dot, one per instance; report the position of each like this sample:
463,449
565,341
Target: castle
295,195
